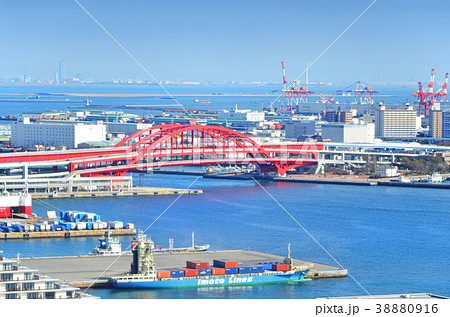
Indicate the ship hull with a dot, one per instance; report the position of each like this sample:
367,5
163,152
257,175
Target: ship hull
212,281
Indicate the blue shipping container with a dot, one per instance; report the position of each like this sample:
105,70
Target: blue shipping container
177,273
89,225
257,268
204,272
244,269
232,270
268,266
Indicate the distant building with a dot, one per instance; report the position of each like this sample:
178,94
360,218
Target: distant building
435,122
397,123
125,128
300,128
346,133
241,115
337,116
386,171
446,124
29,134
61,74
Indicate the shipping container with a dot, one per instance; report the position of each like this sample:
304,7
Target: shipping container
81,226
73,225
225,263
268,265
281,267
204,272
217,271
256,268
89,226
62,214
115,224
129,226
231,270
177,273
244,270
197,264
163,274
190,272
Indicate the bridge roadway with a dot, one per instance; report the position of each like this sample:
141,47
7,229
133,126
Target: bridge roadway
176,144
82,271
77,160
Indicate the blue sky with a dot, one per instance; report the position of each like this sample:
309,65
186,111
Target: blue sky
395,40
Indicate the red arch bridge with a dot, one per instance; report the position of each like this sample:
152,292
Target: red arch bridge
175,145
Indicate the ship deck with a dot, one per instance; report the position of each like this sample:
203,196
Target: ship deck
94,271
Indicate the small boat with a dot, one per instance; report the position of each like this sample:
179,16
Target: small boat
108,246
143,273
192,248
202,101
434,178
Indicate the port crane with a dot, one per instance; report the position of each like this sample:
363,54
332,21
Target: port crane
363,93
292,94
442,94
426,95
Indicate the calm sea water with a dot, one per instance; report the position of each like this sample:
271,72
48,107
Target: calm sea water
392,240
12,93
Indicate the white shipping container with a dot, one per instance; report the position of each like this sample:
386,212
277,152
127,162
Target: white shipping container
129,226
81,226
96,225
115,224
103,225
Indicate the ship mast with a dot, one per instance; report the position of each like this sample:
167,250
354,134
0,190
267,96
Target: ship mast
288,259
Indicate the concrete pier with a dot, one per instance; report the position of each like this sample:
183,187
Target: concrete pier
135,191
94,271
66,234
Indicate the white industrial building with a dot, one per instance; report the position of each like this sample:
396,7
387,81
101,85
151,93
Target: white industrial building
386,171
28,134
241,115
348,133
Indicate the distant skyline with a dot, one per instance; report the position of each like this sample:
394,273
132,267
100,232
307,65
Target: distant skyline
207,41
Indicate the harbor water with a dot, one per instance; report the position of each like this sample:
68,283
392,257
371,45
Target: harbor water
391,240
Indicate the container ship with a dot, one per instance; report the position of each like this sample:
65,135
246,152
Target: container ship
143,273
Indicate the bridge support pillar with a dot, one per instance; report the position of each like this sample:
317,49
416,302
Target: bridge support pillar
320,167
25,171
